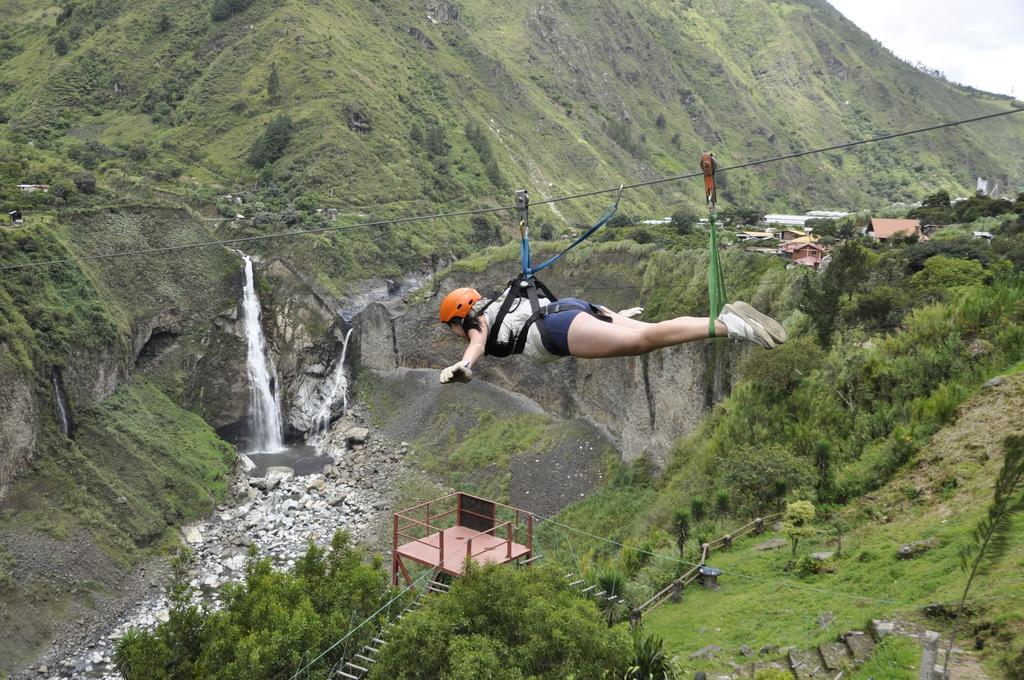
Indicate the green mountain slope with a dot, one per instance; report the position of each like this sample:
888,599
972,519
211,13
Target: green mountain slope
562,96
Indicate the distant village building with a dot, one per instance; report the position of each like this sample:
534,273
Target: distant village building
16,217
28,188
754,236
987,235
806,254
883,229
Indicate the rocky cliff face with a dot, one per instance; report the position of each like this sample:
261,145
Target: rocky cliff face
643,403
17,407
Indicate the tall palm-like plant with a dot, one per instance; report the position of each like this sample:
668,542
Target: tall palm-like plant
991,536
649,660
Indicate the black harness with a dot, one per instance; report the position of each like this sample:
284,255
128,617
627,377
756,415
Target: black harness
518,289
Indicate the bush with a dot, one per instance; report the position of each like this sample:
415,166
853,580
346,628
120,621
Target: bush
223,9
86,183
757,475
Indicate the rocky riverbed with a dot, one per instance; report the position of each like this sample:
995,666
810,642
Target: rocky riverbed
278,514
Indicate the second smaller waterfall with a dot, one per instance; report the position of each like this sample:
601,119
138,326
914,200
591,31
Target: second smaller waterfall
265,401
63,414
328,393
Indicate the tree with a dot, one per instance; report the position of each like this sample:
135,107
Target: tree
271,145
659,122
164,24
61,191
698,507
681,528
60,46
823,465
942,273
796,523
529,619
993,535
273,83
86,183
270,624
683,221
722,502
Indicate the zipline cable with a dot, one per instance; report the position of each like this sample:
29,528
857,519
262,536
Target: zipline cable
480,211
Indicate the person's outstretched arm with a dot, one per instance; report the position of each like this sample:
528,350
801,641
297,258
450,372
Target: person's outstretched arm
463,370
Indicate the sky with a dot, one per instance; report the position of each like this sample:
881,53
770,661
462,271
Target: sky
977,43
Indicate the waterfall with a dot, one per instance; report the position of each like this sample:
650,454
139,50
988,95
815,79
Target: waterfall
264,402
63,415
329,392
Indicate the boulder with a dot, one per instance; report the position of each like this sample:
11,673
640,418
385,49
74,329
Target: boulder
706,652
912,550
276,475
356,435
772,544
192,535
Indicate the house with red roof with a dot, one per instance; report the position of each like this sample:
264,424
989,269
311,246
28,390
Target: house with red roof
803,253
883,229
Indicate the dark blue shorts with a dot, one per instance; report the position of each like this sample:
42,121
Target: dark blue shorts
556,340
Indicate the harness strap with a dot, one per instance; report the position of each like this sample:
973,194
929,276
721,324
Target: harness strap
519,289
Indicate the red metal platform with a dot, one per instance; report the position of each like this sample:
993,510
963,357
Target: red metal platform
444,532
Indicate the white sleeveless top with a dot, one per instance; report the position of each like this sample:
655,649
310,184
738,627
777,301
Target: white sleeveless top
517,315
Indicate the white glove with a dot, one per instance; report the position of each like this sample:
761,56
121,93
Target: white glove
632,312
459,372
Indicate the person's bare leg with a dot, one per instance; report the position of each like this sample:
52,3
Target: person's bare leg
591,338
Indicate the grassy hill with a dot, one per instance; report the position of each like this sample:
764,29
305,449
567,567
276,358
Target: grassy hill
399,107
940,497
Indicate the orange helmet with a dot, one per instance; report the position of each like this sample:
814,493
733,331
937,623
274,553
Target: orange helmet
458,303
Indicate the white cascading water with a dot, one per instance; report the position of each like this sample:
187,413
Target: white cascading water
338,382
63,418
264,402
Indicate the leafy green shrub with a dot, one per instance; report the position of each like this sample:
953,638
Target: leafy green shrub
530,619
270,624
649,660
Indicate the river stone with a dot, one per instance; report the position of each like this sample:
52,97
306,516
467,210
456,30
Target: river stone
772,544
277,474
822,556
356,435
912,550
245,462
192,535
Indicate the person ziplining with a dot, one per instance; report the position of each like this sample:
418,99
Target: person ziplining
528,319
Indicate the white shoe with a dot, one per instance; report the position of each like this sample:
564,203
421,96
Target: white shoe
774,328
632,312
742,326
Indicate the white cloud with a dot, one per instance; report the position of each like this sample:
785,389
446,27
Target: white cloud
974,43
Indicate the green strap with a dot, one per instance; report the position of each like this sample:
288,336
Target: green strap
716,282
